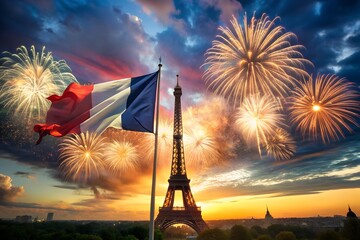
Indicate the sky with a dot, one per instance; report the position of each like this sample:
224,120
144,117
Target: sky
106,40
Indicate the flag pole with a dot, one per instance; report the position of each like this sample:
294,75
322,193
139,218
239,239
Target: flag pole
152,201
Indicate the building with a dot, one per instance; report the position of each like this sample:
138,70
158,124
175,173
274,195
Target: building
50,216
268,220
351,214
268,216
188,214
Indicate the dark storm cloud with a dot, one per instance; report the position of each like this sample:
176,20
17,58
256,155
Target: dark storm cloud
19,23
354,41
351,67
25,151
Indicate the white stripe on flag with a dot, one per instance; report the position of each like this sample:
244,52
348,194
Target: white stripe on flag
108,104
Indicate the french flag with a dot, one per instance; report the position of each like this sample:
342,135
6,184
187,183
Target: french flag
127,104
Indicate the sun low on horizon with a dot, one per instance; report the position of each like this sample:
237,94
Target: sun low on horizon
269,108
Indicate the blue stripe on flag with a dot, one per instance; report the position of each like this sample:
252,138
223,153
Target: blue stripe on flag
140,106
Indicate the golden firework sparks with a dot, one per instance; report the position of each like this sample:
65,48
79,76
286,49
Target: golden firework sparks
28,79
121,156
255,57
206,126
165,141
280,145
257,118
324,106
200,148
81,156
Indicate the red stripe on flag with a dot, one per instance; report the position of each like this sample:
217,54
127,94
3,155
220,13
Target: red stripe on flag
67,112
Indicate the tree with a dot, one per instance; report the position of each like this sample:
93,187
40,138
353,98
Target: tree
274,229
108,234
130,237
158,234
239,232
328,235
285,235
299,232
351,229
212,234
257,231
78,236
138,231
264,237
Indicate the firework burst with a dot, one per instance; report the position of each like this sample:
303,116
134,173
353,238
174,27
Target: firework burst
81,156
121,135
121,156
28,78
208,137
200,147
324,106
256,57
280,145
165,141
257,118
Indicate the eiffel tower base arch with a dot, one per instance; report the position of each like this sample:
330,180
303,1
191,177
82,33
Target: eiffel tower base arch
179,215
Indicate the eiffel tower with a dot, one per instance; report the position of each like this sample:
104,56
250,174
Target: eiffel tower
189,214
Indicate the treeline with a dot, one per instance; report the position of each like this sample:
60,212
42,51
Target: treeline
350,231
139,231
75,231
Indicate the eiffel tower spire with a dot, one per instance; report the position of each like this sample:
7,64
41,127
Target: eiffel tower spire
178,160
189,214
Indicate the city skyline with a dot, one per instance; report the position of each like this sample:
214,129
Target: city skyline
106,40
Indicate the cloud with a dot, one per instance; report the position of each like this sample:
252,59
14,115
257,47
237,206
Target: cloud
120,52
20,205
22,151
102,195
60,207
351,67
66,187
28,175
314,171
163,11
228,8
19,24
8,192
